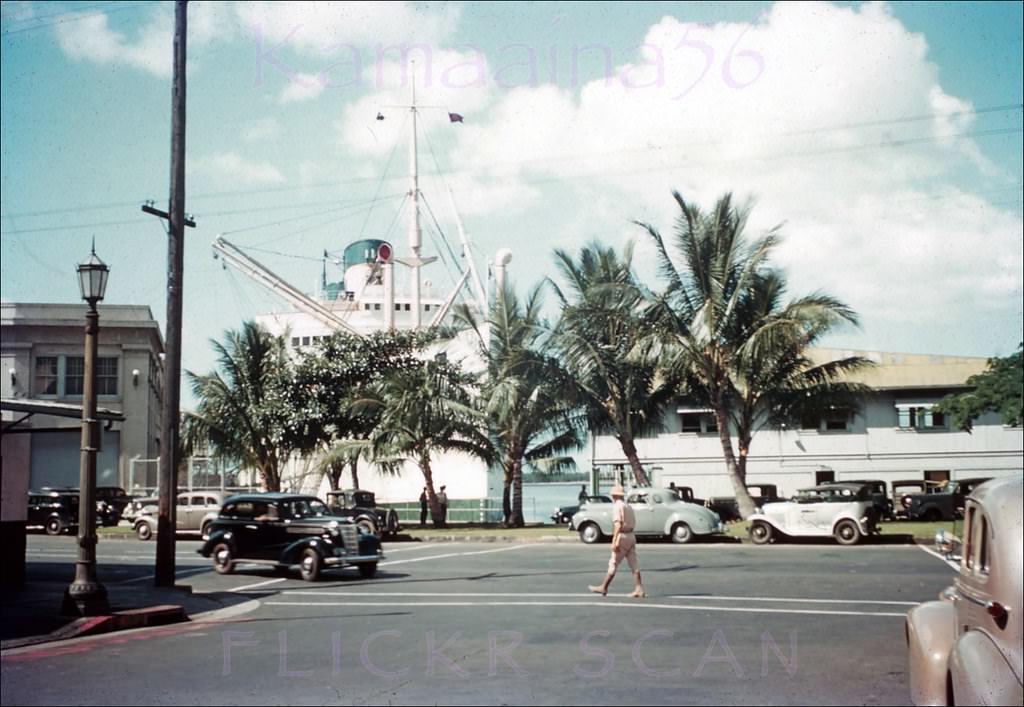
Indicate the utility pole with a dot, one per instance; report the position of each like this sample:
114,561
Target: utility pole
169,436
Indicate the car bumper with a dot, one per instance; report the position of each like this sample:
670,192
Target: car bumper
337,560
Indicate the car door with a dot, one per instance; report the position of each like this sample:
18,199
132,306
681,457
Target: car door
643,510
181,512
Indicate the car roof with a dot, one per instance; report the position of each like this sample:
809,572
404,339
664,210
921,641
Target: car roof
275,496
853,486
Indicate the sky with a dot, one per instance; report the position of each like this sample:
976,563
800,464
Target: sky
886,139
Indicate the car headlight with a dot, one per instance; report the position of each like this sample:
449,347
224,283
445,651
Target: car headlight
333,528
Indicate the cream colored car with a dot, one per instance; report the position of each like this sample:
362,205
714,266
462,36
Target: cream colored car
966,648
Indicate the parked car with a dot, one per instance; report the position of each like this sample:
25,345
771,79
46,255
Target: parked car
728,508
283,530
194,512
115,497
685,493
564,514
361,506
658,513
54,511
966,648
879,495
903,490
106,515
136,506
845,511
945,503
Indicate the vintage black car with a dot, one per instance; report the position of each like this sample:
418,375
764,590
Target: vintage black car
55,511
361,506
284,530
729,510
564,514
945,503
115,497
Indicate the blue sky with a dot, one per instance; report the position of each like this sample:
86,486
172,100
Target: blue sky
887,138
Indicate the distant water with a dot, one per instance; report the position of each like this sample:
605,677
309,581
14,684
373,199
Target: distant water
540,500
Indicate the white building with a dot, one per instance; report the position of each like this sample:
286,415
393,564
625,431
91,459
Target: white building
895,436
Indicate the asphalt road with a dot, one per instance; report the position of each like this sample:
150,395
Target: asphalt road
459,623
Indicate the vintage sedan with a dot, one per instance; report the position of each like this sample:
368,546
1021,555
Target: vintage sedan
195,511
361,506
283,530
845,511
659,513
966,648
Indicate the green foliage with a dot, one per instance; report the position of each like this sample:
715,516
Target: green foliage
600,327
999,389
722,329
244,411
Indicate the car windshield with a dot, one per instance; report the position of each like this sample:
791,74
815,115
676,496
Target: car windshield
304,508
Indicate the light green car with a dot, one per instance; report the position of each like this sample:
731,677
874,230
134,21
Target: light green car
659,513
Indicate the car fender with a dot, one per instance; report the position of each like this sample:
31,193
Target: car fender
699,520
145,520
846,515
769,520
930,630
980,674
290,555
602,519
216,537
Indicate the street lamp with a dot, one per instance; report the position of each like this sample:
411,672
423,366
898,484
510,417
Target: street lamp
86,596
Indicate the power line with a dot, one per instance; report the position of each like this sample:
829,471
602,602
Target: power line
85,16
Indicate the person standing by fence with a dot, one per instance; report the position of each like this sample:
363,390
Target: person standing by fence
423,507
442,499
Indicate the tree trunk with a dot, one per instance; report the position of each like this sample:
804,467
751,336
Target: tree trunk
517,493
435,505
737,474
355,473
639,476
506,502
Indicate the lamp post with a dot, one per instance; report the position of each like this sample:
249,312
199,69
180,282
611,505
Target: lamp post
86,596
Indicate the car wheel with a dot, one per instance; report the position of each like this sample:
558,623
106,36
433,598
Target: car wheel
54,526
144,531
205,530
590,533
309,565
368,570
761,533
933,515
847,532
223,559
368,526
681,533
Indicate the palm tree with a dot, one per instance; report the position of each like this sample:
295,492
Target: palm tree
422,411
242,412
599,329
723,329
525,394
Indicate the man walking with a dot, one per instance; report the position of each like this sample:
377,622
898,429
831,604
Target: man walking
623,545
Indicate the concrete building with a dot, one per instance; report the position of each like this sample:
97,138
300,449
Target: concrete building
41,358
895,436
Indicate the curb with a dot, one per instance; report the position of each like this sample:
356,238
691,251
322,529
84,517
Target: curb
160,615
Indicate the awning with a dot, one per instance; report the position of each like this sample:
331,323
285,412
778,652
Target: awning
49,407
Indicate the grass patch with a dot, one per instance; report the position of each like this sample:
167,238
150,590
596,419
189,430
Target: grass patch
115,531
488,530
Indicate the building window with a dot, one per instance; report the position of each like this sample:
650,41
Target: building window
106,375
46,375
295,341
426,308
919,416
700,421
837,420
74,375
305,341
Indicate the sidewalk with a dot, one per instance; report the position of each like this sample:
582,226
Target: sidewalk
32,614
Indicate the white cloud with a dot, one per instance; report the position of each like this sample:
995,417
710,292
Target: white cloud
302,87
90,38
797,110
229,169
322,28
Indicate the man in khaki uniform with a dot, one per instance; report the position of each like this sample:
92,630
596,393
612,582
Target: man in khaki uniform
623,545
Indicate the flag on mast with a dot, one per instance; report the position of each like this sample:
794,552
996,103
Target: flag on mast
455,117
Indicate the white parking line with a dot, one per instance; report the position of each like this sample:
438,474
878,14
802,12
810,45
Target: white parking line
595,603
389,550
951,563
795,601
450,554
258,584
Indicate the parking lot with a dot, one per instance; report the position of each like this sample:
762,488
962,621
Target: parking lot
506,623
